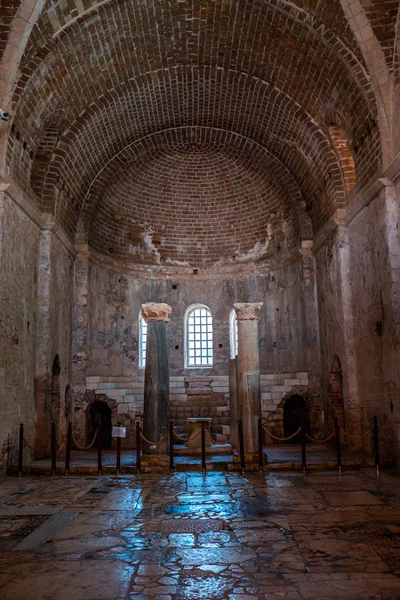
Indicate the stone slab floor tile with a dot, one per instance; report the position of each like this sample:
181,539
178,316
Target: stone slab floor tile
278,536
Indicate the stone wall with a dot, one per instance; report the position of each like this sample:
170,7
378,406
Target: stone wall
114,302
106,336
55,298
358,310
374,243
19,247
35,327
194,397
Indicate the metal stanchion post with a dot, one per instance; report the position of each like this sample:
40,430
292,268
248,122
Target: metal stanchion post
20,449
203,448
53,449
376,444
260,446
171,447
138,447
303,448
118,455
338,446
68,448
241,445
99,458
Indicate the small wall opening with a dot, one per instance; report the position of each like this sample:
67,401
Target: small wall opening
99,414
336,392
295,412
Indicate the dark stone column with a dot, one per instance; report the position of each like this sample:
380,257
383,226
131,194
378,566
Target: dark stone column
156,377
233,401
248,373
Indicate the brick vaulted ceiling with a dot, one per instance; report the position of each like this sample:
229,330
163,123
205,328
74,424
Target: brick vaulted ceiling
194,133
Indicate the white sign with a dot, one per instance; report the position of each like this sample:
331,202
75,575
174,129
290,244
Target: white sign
118,432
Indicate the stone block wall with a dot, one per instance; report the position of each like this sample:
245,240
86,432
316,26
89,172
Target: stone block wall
194,397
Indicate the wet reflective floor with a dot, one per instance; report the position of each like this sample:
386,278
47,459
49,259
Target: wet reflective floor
274,536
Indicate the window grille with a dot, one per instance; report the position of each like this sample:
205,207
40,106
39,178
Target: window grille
233,333
199,337
142,342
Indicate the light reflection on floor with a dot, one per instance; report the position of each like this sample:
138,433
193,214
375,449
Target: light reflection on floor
226,536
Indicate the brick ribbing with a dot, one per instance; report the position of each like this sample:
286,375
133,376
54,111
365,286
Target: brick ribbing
268,41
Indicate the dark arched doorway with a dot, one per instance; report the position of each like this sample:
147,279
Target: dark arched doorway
336,392
99,414
295,412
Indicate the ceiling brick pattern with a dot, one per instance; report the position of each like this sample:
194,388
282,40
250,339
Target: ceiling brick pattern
383,15
105,76
194,198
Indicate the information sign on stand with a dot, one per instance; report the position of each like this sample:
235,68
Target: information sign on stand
118,432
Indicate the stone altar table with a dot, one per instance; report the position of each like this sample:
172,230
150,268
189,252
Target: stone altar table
195,427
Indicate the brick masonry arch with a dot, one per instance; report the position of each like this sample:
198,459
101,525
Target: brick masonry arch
274,421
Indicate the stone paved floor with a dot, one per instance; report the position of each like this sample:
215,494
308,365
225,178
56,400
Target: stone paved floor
276,536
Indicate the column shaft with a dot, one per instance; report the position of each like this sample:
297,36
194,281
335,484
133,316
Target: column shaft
248,373
156,380
233,401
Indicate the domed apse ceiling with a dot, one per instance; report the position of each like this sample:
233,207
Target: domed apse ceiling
106,91
198,201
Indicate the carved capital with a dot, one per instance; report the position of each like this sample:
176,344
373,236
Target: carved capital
247,311
153,311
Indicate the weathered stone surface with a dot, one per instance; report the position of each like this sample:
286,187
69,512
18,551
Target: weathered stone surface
247,311
156,389
277,535
156,312
248,375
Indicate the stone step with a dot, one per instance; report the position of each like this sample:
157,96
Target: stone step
183,450
223,429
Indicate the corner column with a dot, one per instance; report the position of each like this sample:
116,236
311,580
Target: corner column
248,373
156,377
233,401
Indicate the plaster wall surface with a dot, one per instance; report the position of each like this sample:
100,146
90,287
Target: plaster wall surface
107,335
330,311
19,246
357,291
114,302
375,322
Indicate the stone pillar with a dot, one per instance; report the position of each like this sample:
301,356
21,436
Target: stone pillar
156,377
233,401
80,342
248,373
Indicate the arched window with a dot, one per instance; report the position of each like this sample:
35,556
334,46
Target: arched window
142,342
233,333
198,337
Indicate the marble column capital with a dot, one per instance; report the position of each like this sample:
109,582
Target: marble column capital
247,311
153,311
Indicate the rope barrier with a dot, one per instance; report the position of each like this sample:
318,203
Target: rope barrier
29,446
154,443
282,439
359,437
189,439
82,447
321,441
228,441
